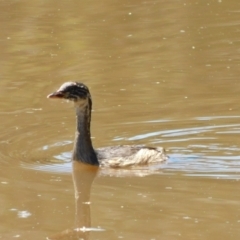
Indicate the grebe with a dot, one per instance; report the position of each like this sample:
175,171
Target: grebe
114,156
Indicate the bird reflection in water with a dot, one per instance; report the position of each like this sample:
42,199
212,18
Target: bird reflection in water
83,177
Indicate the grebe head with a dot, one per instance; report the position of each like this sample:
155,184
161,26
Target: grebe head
73,91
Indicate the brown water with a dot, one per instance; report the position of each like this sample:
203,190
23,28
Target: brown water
161,73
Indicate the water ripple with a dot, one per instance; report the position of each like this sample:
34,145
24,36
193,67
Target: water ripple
208,148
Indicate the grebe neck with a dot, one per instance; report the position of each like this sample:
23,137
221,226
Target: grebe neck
83,150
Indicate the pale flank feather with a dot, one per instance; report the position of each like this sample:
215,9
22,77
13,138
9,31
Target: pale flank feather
141,157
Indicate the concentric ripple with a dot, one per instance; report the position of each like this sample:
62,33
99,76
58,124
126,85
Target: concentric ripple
203,146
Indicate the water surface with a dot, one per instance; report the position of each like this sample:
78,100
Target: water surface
161,73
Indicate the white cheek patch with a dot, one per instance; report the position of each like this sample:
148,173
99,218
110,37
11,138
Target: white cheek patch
81,103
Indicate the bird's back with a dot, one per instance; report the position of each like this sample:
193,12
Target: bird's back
129,155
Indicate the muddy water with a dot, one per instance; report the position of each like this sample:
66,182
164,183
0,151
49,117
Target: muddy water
161,73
